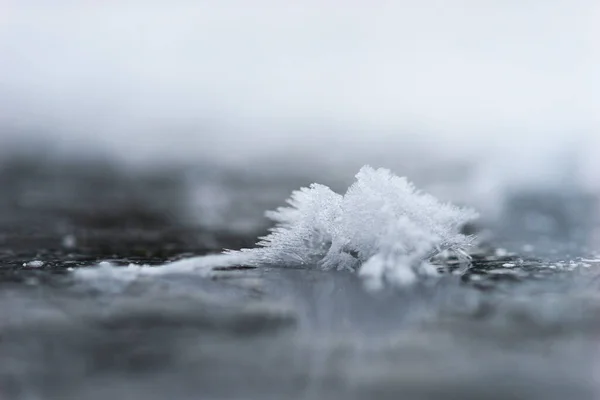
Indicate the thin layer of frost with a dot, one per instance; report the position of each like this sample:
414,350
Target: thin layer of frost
109,275
381,227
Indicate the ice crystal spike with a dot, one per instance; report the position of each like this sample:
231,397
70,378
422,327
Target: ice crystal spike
381,227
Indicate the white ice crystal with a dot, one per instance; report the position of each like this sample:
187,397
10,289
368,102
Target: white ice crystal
382,227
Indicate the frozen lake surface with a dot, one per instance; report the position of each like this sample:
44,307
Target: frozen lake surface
523,323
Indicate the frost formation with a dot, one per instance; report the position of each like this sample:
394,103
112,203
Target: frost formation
381,227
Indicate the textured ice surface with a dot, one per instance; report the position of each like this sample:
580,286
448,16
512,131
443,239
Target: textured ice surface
381,227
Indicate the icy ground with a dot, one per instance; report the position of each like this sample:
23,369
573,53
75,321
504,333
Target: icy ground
522,323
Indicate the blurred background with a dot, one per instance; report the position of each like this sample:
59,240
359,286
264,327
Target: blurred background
489,104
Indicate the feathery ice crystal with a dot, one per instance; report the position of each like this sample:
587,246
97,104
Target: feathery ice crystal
382,227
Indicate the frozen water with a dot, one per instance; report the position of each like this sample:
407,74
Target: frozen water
190,329
201,266
382,227
34,264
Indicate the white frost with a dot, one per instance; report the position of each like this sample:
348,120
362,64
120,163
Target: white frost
382,227
202,266
34,264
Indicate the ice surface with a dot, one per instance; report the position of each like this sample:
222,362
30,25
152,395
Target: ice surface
381,227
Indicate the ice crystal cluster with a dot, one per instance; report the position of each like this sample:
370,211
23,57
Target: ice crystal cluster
381,227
